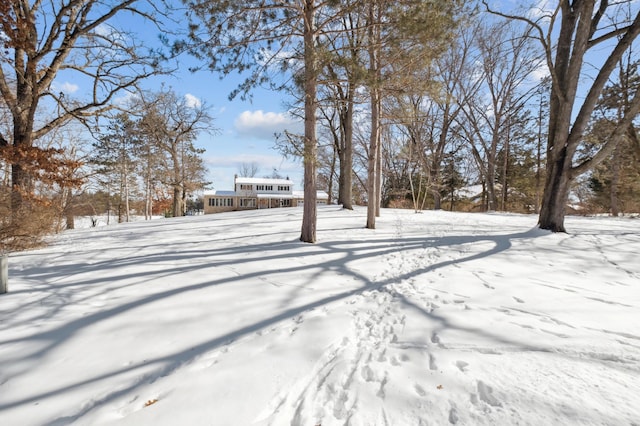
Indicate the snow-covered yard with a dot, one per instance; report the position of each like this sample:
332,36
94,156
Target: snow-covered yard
434,318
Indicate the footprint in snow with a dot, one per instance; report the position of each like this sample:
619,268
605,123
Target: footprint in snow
485,393
453,416
517,299
462,365
432,362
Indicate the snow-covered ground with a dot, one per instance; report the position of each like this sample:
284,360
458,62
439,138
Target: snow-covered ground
435,318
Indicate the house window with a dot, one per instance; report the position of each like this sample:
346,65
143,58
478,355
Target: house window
220,202
268,187
246,187
283,188
285,203
247,202
260,187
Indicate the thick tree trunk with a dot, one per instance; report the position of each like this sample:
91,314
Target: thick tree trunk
20,178
309,214
70,221
177,199
556,193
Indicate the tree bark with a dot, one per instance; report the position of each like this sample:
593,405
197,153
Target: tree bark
345,186
309,216
374,137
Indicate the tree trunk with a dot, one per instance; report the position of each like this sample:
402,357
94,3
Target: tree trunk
20,178
434,176
379,166
615,181
505,170
345,190
70,221
309,215
126,191
556,193
374,138
332,172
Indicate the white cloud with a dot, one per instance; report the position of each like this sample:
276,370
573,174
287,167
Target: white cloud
66,88
192,101
278,59
542,11
263,125
126,98
541,72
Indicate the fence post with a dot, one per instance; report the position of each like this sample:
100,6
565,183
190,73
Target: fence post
4,274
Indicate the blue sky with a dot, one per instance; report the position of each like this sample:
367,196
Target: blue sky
245,128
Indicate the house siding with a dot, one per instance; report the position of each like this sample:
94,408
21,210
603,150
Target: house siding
254,193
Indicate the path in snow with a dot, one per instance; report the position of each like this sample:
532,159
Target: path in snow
422,346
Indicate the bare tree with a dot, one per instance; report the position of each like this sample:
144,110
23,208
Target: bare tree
114,154
583,26
249,169
43,39
507,59
172,123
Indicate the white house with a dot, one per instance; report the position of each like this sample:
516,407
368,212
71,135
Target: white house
257,193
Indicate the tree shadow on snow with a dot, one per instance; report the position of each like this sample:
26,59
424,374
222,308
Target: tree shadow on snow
329,258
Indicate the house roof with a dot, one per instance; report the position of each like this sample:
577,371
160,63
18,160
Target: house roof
319,194
221,193
266,181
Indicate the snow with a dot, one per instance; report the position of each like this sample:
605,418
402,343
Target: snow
435,318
